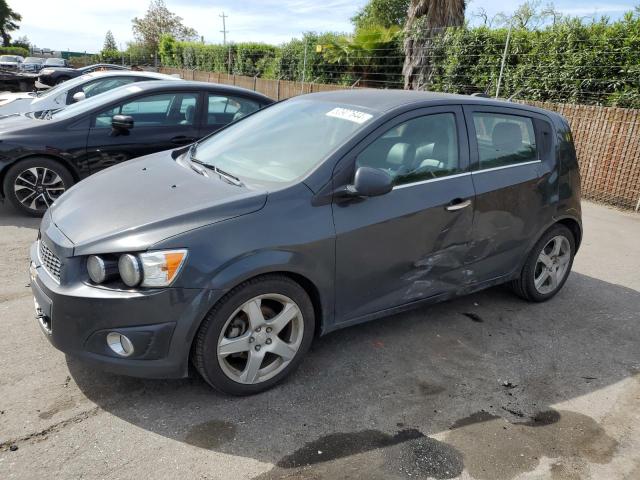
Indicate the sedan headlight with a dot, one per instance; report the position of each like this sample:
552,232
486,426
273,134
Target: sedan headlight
149,269
46,71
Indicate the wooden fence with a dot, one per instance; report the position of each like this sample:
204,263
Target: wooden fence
607,138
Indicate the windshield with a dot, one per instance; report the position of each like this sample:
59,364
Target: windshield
54,61
283,142
65,86
33,60
8,58
90,103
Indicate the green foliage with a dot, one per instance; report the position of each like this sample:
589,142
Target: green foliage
571,62
371,54
9,20
568,61
159,21
109,42
22,41
384,13
23,52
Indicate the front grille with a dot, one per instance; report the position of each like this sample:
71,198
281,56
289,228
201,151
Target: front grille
50,261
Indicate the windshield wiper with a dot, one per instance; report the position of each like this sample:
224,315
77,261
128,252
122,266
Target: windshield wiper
221,173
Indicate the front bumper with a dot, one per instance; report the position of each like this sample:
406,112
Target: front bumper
76,318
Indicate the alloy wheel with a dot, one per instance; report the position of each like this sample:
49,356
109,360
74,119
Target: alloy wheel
552,264
38,187
260,339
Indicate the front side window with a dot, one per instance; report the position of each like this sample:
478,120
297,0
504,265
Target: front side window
167,109
420,149
225,109
504,139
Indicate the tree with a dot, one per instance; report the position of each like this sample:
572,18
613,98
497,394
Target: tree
367,52
157,22
385,13
109,42
426,19
8,22
22,41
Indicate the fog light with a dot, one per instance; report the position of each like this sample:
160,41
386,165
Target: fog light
120,344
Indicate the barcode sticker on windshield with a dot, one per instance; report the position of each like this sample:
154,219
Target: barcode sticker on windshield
348,114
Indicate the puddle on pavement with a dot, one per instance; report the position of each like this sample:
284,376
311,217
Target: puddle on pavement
498,450
211,434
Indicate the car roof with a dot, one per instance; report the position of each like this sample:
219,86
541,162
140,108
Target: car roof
131,73
192,85
384,101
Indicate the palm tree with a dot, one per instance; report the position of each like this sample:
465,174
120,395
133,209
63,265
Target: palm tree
426,19
8,22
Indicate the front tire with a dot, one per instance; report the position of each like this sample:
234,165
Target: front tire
32,185
61,80
255,336
548,265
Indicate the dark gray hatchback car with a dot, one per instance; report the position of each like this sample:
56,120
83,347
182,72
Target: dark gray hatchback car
316,213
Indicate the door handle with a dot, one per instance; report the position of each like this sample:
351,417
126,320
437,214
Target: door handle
182,140
458,204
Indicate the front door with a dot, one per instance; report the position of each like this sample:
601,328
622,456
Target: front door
411,243
161,121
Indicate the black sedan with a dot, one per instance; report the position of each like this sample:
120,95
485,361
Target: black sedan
42,156
54,75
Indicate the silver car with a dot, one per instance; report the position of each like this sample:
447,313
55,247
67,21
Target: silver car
72,91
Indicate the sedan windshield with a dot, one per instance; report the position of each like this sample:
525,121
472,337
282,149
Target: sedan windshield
90,103
65,86
8,58
54,62
283,142
33,60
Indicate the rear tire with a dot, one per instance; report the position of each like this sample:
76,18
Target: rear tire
255,336
32,185
548,265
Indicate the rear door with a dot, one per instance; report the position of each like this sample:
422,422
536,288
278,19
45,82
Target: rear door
512,171
409,244
161,121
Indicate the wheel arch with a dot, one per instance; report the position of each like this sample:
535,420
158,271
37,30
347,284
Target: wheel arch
65,163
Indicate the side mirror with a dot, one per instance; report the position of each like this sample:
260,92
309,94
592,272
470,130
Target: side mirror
370,182
122,122
79,96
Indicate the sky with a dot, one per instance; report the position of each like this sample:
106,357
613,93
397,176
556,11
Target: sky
80,25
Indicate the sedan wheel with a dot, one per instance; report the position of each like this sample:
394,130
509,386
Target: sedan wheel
32,185
260,339
255,335
37,188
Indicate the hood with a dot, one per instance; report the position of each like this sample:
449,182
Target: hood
8,97
16,123
131,206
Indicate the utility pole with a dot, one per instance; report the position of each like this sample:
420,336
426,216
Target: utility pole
224,30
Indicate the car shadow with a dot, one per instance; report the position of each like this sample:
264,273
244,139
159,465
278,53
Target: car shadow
9,216
378,391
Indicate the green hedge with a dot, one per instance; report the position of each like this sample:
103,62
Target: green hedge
23,52
572,61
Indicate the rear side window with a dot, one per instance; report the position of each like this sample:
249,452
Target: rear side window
504,139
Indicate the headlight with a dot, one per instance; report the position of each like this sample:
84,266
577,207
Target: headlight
129,268
151,269
160,268
100,269
46,71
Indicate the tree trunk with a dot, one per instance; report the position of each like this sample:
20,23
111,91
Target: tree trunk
426,19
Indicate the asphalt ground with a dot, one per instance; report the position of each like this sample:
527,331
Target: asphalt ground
486,387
